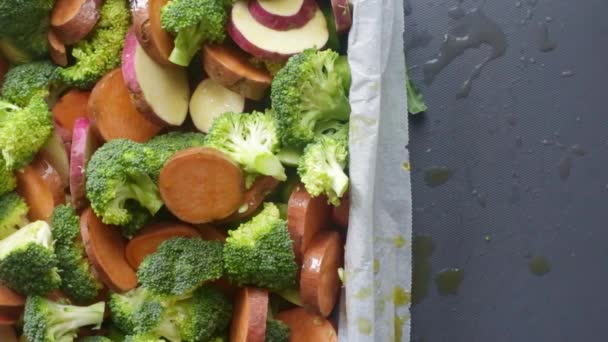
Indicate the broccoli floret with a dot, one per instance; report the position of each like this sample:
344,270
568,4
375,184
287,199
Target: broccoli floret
119,186
310,90
22,82
27,261
276,331
101,51
162,147
95,339
321,168
24,28
124,306
77,279
260,252
24,130
8,181
152,318
193,22
48,321
250,140
143,338
13,214
181,265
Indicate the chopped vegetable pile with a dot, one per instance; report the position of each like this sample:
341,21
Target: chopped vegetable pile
172,170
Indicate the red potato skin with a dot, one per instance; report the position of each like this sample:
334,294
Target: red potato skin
148,239
84,143
57,49
229,67
105,248
307,327
319,281
283,23
157,43
250,314
339,214
306,215
41,187
342,15
80,22
244,44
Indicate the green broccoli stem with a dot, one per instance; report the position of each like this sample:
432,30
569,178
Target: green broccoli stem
145,191
339,181
269,165
73,317
187,42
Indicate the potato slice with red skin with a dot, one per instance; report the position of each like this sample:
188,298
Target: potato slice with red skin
54,152
249,315
306,216
105,248
306,327
253,197
57,49
231,68
148,239
72,20
282,15
84,143
201,185
210,100
342,15
41,187
319,281
157,43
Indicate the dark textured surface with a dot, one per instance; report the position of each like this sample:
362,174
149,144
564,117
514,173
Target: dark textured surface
510,145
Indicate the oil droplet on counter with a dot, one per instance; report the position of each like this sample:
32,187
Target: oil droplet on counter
564,167
363,293
539,265
469,30
364,325
436,176
399,323
567,73
545,44
401,297
422,250
448,281
407,166
578,150
399,241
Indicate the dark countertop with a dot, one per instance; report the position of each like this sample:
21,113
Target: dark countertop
528,155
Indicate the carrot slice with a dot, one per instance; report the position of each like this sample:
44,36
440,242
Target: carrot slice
147,241
74,19
307,327
250,314
57,49
253,197
8,334
105,248
306,215
157,43
339,214
212,233
41,187
201,184
115,115
319,281
71,106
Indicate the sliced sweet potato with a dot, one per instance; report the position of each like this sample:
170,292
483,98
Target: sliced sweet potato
105,249
231,68
157,43
307,327
71,106
11,304
319,281
339,214
41,187
211,233
8,334
253,197
72,20
57,49
201,184
148,239
250,314
306,215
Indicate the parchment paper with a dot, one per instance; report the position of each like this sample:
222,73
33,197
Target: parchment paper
376,298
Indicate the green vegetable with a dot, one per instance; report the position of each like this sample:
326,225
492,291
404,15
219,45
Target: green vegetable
101,51
181,265
193,23
260,252
8,182
13,214
27,260
250,140
276,331
143,338
22,82
120,187
311,90
162,147
123,308
77,279
95,339
415,100
322,166
24,130
48,321
24,28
